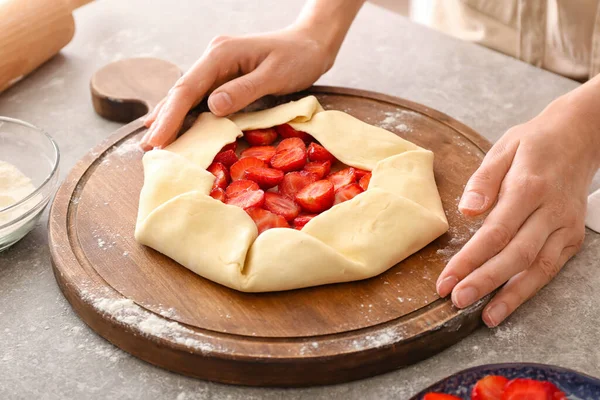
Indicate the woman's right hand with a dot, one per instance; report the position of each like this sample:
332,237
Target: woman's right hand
236,71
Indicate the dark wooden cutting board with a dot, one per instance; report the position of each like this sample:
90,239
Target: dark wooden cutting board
159,311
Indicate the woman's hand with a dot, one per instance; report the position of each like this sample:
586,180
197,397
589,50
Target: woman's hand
537,175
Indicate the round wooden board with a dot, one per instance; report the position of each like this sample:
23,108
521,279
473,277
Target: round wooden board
159,311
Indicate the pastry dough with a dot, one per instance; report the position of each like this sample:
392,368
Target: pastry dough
400,213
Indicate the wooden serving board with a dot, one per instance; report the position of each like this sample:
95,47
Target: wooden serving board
157,310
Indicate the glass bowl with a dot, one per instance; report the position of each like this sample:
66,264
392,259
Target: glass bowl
35,154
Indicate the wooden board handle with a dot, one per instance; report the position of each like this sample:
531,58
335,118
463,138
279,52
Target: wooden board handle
127,89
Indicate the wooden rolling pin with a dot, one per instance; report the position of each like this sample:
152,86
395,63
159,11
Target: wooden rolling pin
33,31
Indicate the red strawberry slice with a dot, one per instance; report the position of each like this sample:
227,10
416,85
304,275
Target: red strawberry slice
265,177
261,137
246,200
290,143
440,396
527,389
221,174
293,182
316,152
286,131
237,187
556,392
289,160
264,153
364,181
319,168
227,158
218,194
281,205
360,173
343,177
238,170
230,146
489,388
266,220
316,197
302,220
347,192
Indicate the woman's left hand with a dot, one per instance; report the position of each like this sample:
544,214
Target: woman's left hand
535,179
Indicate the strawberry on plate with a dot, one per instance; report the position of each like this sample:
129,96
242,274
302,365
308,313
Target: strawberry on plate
302,220
281,205
490,387
290,143
240,186
293,182
221,175
261,137
264,153
227,158
440,396
320,168
266,220
364,181
316,152
238,170
316,197
289,160
230,146
218,194
528,389
347,192
246,200
265,177
342,178
286,131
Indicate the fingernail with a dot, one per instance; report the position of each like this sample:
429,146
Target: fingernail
446,285
464,297
472,201
496,314
220,102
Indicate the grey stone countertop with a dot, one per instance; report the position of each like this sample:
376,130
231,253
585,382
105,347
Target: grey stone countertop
47,352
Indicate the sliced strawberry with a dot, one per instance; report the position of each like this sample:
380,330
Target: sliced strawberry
557,394
286,131
230,146
316,197
290,143
264,153
289,160
265,177
489,388
527,389
227,158
218,194
343,177
293,182
238,170
237,187
319,168
364,181
246,200
316,152
360,173
266,220
261,137
281,205
440,396
302,220
347,192
221,174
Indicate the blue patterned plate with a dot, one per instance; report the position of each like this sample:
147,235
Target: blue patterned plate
577,386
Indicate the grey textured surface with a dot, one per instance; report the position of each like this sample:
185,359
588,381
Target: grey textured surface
47,352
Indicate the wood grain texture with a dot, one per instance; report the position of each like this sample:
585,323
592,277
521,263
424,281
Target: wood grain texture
125,90
313,336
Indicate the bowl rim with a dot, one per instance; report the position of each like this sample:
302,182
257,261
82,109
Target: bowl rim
47,179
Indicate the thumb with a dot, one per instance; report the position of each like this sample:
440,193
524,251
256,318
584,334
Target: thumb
482,188
238,93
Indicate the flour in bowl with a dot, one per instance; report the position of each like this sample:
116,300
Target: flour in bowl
14,186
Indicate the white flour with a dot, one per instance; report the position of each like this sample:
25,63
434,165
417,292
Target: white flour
14,186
